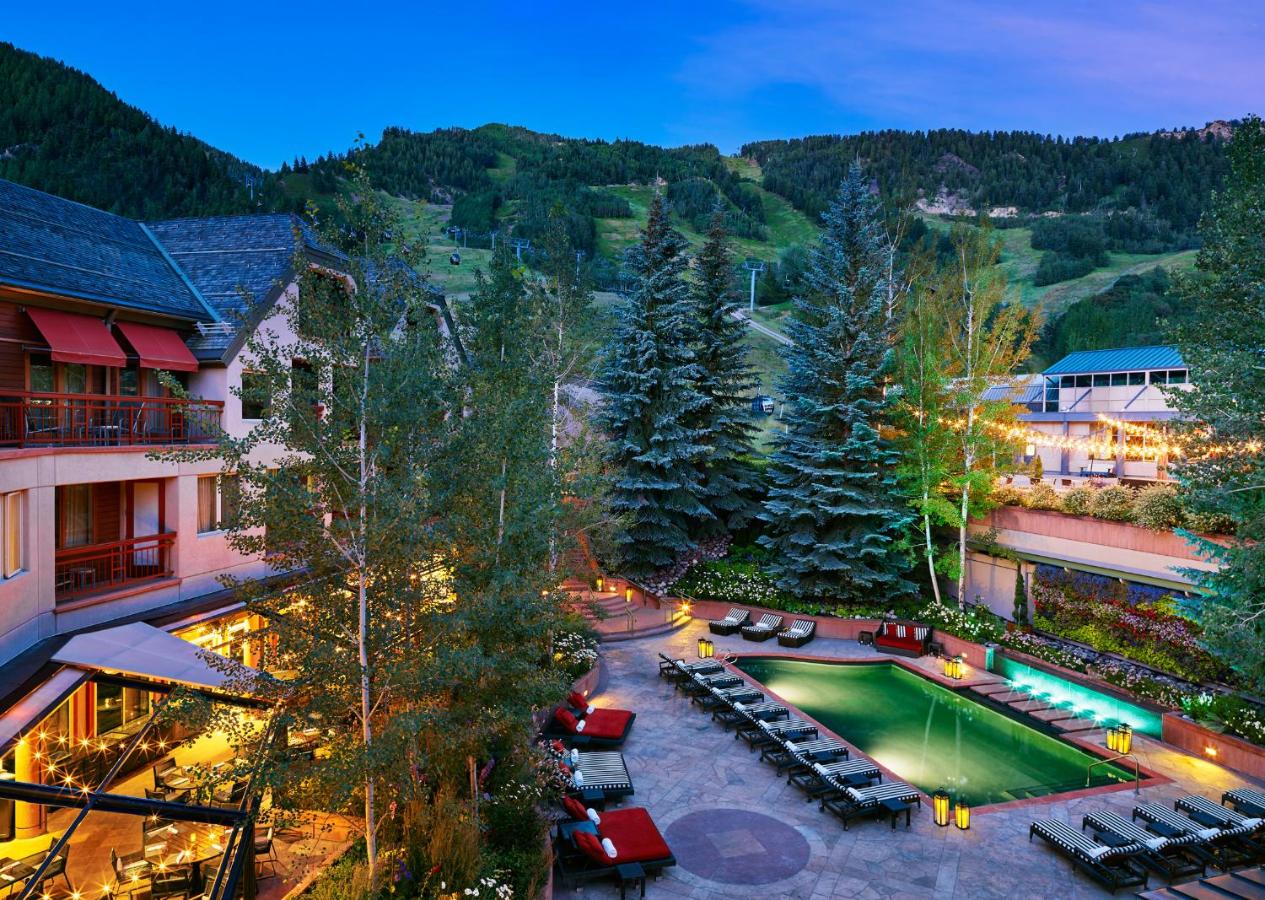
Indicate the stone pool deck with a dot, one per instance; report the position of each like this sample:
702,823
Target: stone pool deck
738,830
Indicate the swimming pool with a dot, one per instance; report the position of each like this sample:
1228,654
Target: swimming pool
1087,702
928,735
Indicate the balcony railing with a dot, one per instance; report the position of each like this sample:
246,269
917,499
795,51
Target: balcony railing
92,568
104,420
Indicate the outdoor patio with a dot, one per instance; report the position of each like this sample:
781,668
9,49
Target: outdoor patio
739,830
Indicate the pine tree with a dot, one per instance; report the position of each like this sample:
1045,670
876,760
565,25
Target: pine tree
648,385
833,515
725,379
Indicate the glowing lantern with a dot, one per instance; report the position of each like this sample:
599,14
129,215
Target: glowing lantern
600,581
962,815
940,806
628,594
706,649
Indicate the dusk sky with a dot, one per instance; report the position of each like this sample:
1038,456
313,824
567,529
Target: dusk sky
272,81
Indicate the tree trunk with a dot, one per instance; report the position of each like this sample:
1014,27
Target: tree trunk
362,634
930,552
966,493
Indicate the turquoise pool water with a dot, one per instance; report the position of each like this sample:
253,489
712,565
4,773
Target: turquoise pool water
1086,702
928,735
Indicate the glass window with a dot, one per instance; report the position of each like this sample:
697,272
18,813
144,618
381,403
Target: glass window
1176,376
1119,379
1068,381
74,515
256,396
208,504
13,528
1102,380
129,382
230,494
1137,378
42,373
1159,378
109,707
1082,381
74,378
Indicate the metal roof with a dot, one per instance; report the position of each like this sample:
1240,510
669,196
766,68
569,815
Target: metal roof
1124,359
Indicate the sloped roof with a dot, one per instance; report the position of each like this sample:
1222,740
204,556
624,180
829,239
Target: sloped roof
1125,359
1026,389
63,247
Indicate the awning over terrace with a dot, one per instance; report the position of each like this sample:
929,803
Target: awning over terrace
158,348
77,339
143,651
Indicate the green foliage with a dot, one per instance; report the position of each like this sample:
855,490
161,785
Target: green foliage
1056,267
1042,496
1036,469
1078,501
1021,598
1158,507
1073,237
1114,503
1133,312
1008,495
831,517
977,623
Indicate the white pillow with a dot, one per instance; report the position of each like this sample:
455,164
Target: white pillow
593,816
1155,843
740,706
609,848
790,745
1208,833
1095,852
1252,823
575,756
588,710
578,777
579,726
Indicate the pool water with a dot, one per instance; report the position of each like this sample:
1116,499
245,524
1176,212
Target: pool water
928,735
1100,707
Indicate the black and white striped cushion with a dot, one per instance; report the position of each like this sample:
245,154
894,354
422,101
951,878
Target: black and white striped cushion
892,790
1227,817
1246,795
1078,843
604,770
1132,831
767,622
837,770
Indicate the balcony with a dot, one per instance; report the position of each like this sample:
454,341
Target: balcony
30,419
94,568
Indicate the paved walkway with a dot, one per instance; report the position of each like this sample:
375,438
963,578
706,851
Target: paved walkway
738,830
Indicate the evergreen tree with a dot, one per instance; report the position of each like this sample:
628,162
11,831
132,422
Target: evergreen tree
650,399
1225,405
725,379
833,516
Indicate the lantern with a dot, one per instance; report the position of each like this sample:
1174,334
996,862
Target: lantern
628,594
940,806
599,582
706,649
962,814
948,667
1124,738
1113,739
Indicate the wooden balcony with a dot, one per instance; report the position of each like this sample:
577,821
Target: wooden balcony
101,420
93,568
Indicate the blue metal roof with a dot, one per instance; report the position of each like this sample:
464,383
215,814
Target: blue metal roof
1124,359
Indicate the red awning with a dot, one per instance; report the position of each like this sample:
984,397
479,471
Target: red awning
77,339
158,348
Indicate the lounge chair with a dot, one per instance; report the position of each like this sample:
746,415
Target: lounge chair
854,803
741,714
1202,809
699,684
1246,801
789,756
1224,847
676,669
600,776
821,780
717,698
632,834
1109,866
1172,857
765,734
733,620
607,728
768,626
798,634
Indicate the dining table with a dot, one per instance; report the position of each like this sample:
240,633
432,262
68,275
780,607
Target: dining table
13,872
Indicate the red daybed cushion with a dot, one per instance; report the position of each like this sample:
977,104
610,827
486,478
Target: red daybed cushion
635,836
575,809
591,846
578,700
606,723
566,720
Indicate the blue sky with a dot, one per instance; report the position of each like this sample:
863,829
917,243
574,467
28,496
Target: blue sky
269,82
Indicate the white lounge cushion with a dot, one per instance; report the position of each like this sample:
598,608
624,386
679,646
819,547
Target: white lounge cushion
593,816
1208,833
609,848
1096,852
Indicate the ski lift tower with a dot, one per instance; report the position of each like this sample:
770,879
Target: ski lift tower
755,267
519,245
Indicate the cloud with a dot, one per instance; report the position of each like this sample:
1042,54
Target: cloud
1073,67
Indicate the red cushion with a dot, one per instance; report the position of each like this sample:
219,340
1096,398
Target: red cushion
591,846
634,835
566,720
575,809
564,769
559,747
606,723
578,700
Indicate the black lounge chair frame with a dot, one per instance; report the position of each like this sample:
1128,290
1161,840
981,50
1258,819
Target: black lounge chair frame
555,731
798,634
1115,872
727,626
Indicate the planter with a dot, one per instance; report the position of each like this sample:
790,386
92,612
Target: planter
1223,749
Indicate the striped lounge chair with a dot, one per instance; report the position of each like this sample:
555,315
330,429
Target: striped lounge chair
768,626
821,780
902,638
764,733
790,756
1246,801
1203,810
1172,857
676,669
741,714
1112,867
798,634
699,684
854,803
733,620
1224,847
601,775
723,698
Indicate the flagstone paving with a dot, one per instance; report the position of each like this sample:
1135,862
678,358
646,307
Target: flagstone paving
738,830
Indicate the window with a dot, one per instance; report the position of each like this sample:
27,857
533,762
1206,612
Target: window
217,501
1082,381
118,705
256,395
12,512
42,374
74,515
1137,378
1068,381
1159,378
1102,380
1176,376
1119,379
1051,395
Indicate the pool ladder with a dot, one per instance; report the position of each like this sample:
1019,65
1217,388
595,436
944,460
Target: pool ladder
1137,776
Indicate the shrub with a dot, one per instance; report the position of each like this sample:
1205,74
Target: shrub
1007,495
1209,522
1078,501
1043,496
1113,503
1158,507
1036,469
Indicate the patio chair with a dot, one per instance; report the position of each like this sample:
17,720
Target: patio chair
765,733
800,633
129,870
678,669
768,626
745,715
1224,847
165,770
174,881
733,620
1245,800
1171,857
1109,866
265,854
1202,809
788,755
718,698
822,780
632,835
607,728
854,803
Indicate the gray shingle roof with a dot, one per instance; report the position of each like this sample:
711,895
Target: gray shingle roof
1125,359
67,248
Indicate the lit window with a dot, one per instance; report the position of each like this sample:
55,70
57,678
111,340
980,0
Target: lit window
217,501
13,528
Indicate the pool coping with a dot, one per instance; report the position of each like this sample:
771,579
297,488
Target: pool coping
1152,778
